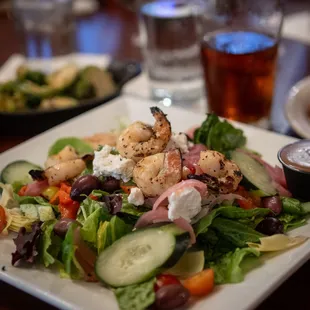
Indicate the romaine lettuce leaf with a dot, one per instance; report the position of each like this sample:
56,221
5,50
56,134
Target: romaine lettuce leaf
237,233
137,296
104,238
229,212
79,145
50,244
90,226
291,221
228,269
294,206
201,134
89,206
72,268
37,200
213,245
219,135
131,209
118,228
109,232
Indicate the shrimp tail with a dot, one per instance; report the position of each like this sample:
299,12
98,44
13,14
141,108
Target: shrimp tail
162,126
157,110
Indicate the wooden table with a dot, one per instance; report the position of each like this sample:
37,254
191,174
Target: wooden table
110,31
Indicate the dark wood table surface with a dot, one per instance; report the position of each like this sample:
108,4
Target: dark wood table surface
110,31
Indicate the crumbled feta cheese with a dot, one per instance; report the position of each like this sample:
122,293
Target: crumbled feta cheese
136,197
184,203
106,164
178,141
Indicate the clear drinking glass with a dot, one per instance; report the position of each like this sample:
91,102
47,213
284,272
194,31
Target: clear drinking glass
239,52
46,27
171,49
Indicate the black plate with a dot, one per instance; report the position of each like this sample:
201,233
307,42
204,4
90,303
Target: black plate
36,121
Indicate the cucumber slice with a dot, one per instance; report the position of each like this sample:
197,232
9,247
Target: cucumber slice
305,207
255,175
189,264
139,256
259,193
18,171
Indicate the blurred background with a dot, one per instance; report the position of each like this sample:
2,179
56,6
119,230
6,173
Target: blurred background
109,26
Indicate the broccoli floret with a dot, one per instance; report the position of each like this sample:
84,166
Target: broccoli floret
35,77
32,101
9,88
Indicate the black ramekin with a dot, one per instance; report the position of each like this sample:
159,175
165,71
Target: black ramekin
298,181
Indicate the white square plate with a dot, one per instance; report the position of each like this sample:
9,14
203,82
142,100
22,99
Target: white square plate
67,294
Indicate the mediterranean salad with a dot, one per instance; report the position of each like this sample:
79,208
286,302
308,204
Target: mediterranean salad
158,217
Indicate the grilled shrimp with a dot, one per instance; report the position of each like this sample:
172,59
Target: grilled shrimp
140,140
67,153
156,173
64,171
220,173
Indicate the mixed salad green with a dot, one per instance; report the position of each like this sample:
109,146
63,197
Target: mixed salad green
92,226
63,88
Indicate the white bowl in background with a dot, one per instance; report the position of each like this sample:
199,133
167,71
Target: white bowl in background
297,108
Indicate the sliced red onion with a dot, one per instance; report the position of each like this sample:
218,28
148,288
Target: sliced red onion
36,188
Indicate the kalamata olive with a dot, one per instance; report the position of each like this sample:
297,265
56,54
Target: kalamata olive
171,296
84,185
270,226
110,185
273,203
62,226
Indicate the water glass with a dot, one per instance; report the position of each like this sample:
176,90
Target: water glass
239,52
46,27
171,49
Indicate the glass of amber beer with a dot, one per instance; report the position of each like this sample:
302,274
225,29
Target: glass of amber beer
239,52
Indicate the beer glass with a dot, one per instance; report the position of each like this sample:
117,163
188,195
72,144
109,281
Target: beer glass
239,52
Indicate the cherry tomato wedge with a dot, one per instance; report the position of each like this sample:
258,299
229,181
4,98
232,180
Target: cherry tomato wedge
165,279
2,219
246,204
201,284
250,201
127,188
93,197
22,191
